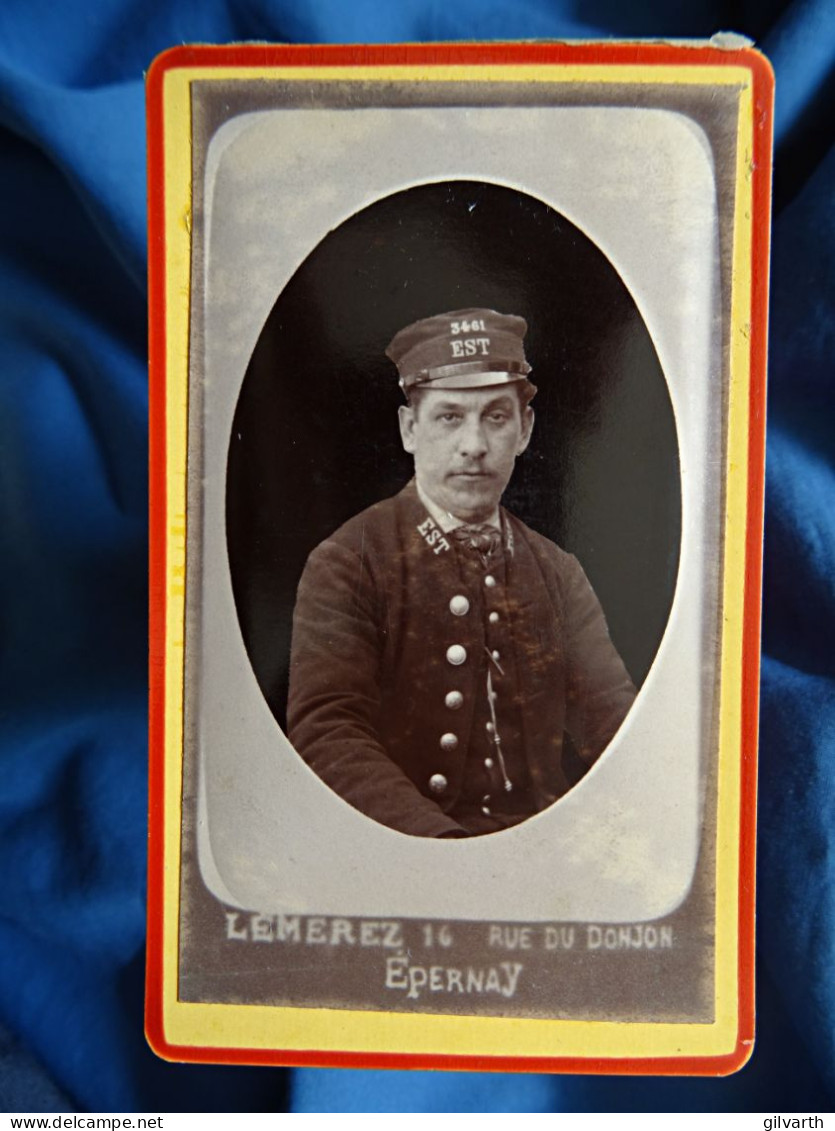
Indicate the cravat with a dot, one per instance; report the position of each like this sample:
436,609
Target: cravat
478,538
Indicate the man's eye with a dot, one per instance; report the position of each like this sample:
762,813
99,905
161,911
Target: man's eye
498,417
450,417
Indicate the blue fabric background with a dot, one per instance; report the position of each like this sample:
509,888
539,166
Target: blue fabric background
74,542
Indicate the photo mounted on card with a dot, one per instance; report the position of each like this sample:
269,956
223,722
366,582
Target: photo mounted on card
457,360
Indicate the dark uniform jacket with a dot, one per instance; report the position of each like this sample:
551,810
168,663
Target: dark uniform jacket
394,631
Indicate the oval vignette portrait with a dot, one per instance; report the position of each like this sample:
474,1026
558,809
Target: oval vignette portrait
464,651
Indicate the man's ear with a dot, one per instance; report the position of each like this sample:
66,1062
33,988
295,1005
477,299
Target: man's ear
406,418
527,428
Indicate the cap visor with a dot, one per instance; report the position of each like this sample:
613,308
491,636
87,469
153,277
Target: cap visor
472,380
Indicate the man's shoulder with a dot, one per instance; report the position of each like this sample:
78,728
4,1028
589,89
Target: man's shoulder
561,571
540,546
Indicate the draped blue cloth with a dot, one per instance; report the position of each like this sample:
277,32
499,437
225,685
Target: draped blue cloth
73,591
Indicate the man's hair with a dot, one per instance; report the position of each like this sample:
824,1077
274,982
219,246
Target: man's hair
525,391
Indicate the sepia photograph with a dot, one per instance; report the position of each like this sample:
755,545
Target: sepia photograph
396,624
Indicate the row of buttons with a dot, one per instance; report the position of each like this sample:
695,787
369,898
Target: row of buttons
438,784
449,741
457,654
459,606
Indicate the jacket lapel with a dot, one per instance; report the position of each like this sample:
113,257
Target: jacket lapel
535,609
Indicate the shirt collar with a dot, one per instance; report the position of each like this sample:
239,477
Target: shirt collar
446,521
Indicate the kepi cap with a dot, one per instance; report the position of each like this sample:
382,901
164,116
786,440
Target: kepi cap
462,349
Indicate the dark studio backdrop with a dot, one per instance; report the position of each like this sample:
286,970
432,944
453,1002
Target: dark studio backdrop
315,437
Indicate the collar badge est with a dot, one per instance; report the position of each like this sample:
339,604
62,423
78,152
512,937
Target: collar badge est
433,536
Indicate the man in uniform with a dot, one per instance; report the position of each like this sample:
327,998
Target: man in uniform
442,650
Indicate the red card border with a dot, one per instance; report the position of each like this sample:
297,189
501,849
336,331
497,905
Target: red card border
461,54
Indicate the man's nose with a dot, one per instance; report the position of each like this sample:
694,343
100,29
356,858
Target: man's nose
472,439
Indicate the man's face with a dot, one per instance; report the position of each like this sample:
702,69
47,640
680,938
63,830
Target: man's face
465,443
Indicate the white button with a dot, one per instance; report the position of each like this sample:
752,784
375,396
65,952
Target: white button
508,787
490,728
488,762
437,783
459,606
454,700
456,654
494,618
489,581
485,810
496,655
486,797
449,741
